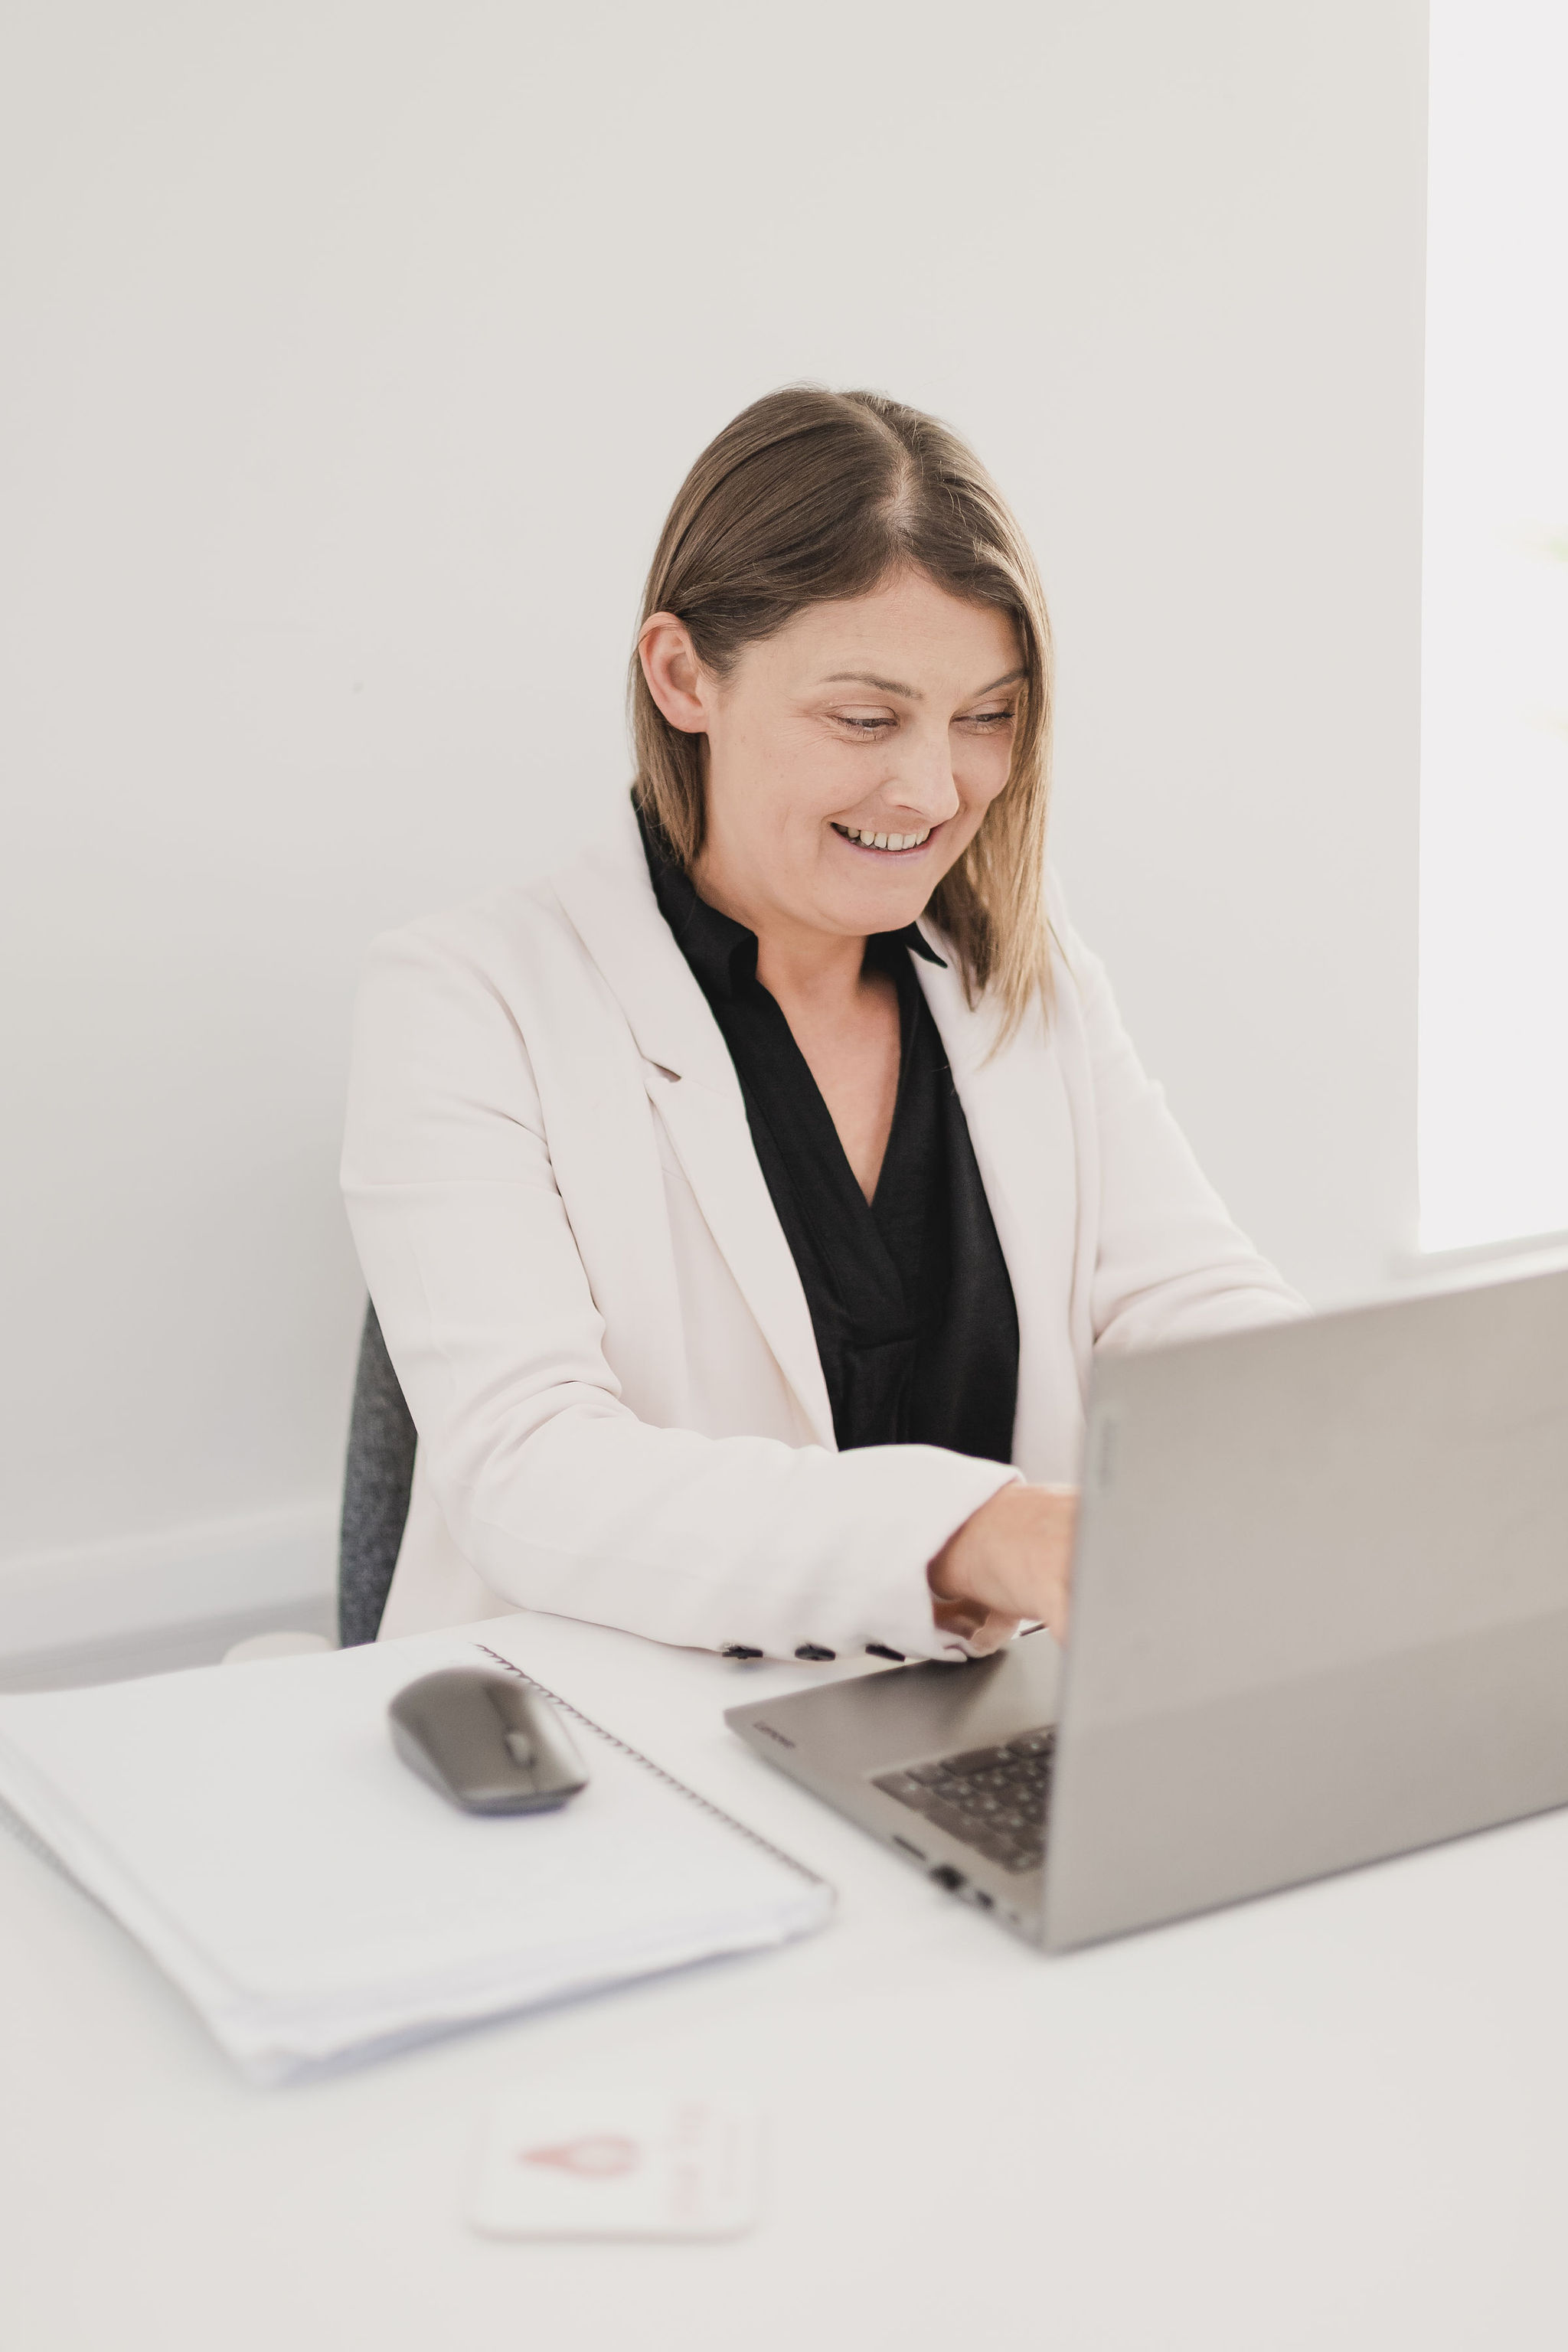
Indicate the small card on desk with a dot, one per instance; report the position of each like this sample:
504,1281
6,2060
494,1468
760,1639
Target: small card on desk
577,2159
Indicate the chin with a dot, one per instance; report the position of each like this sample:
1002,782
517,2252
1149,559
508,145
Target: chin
880,911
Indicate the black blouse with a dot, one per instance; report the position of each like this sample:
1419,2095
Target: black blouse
910,1295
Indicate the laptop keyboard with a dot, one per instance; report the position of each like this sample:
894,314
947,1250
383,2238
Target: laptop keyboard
993,1799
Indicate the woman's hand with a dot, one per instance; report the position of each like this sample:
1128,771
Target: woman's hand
1011,1559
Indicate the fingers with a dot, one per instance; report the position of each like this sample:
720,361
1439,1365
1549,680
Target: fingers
1009,1560
994,1632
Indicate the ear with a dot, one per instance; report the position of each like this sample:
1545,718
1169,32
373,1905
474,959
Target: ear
676,678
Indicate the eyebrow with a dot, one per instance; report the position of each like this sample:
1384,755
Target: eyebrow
882,684
912,693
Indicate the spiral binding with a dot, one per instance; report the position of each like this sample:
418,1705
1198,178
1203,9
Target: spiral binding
566,1708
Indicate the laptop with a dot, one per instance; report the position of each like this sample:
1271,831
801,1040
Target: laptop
1320,1617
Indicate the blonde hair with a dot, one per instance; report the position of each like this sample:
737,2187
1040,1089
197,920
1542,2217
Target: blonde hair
810,495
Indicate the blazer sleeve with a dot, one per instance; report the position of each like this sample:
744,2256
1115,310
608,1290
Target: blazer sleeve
556,1493
1170,1262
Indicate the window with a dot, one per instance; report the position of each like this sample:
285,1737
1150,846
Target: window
1494,861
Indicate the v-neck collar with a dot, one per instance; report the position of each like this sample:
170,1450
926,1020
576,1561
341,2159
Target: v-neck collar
722,954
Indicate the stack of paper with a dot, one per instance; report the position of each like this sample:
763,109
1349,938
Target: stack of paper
253,1827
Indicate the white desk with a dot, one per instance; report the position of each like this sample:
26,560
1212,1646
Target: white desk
1337,2118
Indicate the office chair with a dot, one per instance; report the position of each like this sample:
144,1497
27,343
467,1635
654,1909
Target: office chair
377,1478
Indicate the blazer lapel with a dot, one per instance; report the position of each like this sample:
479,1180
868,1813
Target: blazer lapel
1020,1124
691,1080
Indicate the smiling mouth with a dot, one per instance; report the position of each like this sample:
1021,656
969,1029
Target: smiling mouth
891,844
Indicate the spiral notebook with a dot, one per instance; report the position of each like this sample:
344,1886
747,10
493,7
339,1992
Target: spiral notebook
254,1829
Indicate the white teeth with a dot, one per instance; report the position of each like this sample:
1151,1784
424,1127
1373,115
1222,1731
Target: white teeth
884,840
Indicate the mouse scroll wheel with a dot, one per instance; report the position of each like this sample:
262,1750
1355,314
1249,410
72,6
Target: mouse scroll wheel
521,1750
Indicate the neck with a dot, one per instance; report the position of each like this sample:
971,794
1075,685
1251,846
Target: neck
811,968
795,963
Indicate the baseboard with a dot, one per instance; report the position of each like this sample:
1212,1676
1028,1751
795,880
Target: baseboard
95,1612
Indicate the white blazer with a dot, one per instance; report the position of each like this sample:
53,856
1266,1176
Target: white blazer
595,1316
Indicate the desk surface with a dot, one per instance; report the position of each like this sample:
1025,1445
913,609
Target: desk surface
1335,2117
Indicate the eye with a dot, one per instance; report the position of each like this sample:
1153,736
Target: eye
991,721
864,726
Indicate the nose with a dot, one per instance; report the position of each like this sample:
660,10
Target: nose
922,784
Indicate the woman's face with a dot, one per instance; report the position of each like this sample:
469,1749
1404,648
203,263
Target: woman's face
850,756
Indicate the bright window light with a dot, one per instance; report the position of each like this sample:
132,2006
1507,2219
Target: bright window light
1494,790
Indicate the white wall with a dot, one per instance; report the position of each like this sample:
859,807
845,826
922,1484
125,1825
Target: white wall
1494,787
352,353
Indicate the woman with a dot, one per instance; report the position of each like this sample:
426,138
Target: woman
743,1205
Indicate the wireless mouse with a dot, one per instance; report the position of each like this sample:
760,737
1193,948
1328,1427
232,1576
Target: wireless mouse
487,1741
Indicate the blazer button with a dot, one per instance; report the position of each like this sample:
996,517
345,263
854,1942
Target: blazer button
739,1650
813,1650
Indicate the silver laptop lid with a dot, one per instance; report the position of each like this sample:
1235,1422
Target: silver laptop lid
1321,1602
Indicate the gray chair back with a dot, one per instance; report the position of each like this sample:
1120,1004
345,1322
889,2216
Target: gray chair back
377,1479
